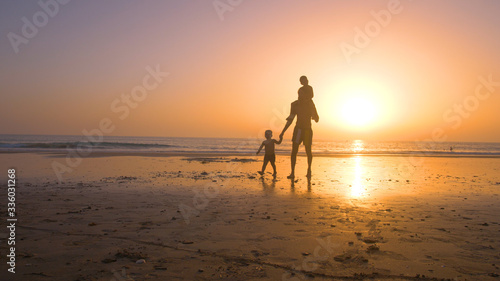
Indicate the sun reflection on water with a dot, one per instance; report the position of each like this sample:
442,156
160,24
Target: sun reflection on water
358,146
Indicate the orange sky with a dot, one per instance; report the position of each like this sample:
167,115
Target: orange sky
236,77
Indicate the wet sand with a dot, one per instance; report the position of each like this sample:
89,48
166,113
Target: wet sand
214,218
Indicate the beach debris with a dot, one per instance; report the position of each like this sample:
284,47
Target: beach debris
342,258
371,240
187,242
205,160
92,224
358,233
485,224
130,255
243,160
350,243
126,178
141,261
200,270
257,253
108,260
306,254
157,267
372,249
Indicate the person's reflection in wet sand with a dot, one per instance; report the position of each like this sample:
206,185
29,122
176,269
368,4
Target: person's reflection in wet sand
292,186
268,187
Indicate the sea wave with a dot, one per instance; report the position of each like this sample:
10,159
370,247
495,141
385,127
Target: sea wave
42,143
99,145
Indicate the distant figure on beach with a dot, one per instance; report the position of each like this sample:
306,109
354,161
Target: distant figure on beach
269,155
305,110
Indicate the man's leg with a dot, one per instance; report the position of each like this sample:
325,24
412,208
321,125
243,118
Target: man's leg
309,159
295,149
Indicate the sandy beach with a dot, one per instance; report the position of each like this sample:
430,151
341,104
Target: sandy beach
214,218
133,136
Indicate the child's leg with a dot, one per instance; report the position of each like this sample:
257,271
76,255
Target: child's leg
264,164
273,164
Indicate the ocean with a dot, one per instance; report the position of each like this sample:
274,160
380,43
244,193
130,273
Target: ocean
61,143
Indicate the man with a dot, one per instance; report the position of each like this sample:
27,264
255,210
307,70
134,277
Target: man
305,110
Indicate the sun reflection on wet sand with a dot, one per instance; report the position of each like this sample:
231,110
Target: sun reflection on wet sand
358,190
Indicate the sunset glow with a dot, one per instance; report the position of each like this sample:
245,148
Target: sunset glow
232,76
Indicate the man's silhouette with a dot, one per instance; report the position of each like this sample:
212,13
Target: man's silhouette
305,110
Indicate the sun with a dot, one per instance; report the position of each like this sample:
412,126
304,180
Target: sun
358,111
357,103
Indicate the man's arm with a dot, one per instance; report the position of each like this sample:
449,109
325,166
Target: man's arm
288,123
289,119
